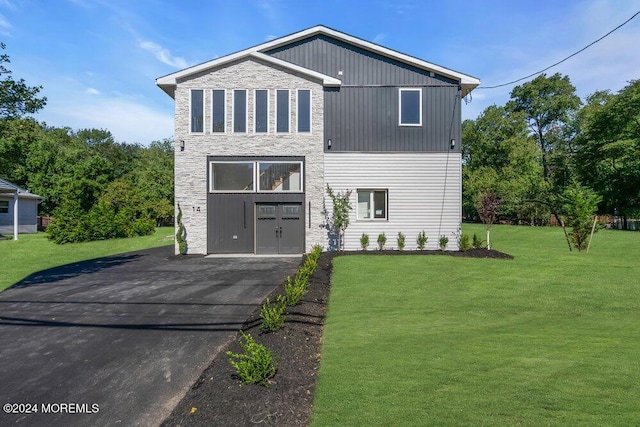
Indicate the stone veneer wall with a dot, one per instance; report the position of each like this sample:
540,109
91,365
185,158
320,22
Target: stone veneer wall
191,164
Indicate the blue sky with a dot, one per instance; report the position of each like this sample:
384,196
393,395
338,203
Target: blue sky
98,59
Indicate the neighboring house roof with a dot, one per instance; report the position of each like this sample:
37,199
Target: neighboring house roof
168,83
7,187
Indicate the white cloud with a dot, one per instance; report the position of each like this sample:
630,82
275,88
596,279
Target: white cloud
5,26
379,38
92,91
163,55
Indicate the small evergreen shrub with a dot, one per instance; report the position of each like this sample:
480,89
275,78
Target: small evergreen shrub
421,240
364,241
295,289
464,242
256,364
272,314
400,240
444,241
182,244
316,251
477,242
382,240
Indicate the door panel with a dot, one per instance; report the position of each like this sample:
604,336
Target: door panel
279,228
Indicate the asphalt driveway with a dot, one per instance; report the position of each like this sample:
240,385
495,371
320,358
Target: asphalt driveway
119,340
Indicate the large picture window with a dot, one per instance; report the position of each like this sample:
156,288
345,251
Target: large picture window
231,176
261,111
410,107
271,176
197,111
4,206
218,115
239,111
304,111
282,111
372,205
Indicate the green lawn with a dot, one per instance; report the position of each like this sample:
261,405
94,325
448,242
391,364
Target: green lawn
33,252
549,338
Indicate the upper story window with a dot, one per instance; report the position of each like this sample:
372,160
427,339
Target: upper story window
240,110
218,111
282,111
304,111
4,206
197,111
261,115
270,176
410,104
372,204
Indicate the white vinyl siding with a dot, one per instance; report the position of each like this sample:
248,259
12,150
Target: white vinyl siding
416,196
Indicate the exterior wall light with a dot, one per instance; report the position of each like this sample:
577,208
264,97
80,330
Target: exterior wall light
453,144
329,144
182,145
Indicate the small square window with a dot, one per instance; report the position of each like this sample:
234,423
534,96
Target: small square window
410,105
372,205
4,206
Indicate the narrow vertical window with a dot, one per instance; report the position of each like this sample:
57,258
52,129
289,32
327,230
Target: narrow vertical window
261,111
304,110
282,111
410,106
218,111
239,110
197,110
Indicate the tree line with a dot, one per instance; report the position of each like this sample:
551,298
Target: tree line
547,153
93,186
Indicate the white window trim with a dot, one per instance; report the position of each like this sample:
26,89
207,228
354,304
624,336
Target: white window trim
224,108
212,162
409,89
255,111
288,115
257,168
310,132
246,111
204,124
371,192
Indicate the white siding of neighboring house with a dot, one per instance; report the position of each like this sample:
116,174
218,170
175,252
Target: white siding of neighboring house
27,216
424,193
191,164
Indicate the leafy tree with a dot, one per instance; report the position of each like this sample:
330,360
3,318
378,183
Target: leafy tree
607,159
488,205
340,218
579,205
16,98
550,104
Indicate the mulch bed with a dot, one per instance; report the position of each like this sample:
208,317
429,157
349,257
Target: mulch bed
218,399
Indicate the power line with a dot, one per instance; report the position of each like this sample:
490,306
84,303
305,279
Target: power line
568,57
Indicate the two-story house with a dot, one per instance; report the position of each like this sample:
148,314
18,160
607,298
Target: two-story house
260,133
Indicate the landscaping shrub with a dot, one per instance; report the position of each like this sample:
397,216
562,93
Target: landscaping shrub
295,289
444,241
364,241
464,242
272,314
400,240
421,240
182,244
382,240
256,364
316,251
477,242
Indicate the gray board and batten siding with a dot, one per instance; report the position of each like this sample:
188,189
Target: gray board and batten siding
362,114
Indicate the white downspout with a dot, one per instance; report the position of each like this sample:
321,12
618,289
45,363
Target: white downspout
15,216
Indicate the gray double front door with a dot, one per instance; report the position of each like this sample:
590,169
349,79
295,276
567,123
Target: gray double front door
279,228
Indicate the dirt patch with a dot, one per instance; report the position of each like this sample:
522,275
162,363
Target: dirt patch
217,398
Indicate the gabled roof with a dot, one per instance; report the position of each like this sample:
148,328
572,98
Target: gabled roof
168,83
7,187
